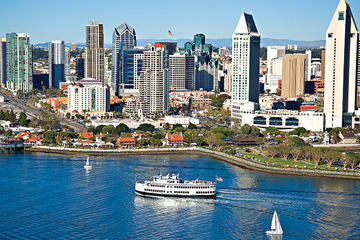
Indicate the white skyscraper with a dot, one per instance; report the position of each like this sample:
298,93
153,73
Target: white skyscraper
245,57
272,53
153,84
341,68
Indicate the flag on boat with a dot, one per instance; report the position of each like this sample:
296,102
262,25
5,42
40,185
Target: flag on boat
219,179
170,33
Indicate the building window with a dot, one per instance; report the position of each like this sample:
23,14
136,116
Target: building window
260,120
275,121
341,16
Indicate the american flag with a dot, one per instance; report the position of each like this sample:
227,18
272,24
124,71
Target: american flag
170,33
219,179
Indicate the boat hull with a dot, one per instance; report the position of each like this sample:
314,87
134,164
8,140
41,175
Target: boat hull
272,233
212,196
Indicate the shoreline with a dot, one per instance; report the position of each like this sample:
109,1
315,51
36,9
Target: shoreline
247,164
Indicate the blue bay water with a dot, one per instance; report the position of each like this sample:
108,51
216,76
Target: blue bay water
47,196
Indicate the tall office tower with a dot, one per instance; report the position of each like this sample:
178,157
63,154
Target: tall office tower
308,74
3,62
245,54
67,62
272,53
19,62
181,71
73,47
323,56
131,66
341,67
80,68
293,75
94,51
56,63
124,38
154,89
199,41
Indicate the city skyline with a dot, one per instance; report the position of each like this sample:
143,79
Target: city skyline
69,27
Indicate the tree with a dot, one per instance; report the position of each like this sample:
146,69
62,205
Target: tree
353,159
295,142
108,129
331,157
192,126
50,136
284,151
143,142
23,119
8,133
272,151
219,100
122,128
215,139
146,127
166,126
296,152
249,130
272,130
179,128
317,155
298,131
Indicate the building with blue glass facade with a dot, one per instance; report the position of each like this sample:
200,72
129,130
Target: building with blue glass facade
56,63
3,62
124,38
131,66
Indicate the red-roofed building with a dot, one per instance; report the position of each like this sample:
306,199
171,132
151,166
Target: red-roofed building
159,45
35,140
126,142
174,139
87,135
23,135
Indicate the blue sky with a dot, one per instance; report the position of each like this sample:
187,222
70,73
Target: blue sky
47,20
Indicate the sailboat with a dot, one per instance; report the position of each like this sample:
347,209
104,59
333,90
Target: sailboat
87,165
275,226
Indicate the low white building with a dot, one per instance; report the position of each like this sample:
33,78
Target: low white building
284,120
2,99
184,121
88,95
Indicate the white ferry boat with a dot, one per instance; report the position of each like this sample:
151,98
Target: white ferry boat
173,186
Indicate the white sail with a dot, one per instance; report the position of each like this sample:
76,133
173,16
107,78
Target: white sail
87,162
276,228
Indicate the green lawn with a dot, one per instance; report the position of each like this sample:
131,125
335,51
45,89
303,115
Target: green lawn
285,163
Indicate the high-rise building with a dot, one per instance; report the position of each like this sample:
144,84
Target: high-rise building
245,54
341,67
206,67
89,95
199,41
131,66
19,62
308,74
124,38
323,56
56,63
293,75
80,68
94,51
181,71
154,89
272,53
73,47
67,62
3,62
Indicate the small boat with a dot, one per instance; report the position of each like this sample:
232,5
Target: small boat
275,226
87,165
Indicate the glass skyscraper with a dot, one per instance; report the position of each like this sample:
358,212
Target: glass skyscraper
124,38
3,61
131,66
56,63
19,61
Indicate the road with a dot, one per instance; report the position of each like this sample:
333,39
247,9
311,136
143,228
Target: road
30,109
